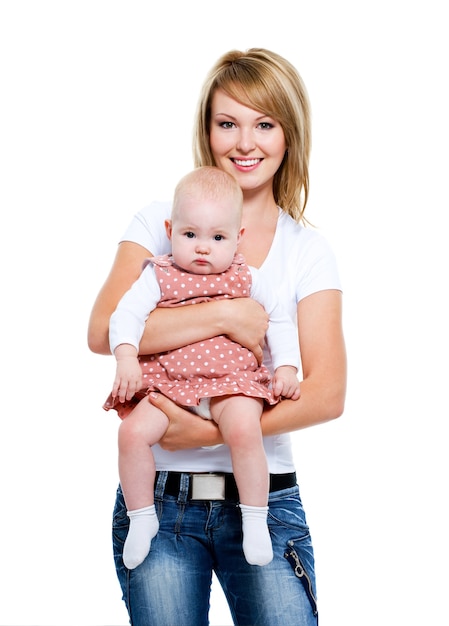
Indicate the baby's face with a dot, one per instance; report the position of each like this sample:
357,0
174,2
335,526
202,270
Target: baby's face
204,235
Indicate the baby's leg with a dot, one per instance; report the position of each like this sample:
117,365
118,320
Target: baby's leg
238,418
143,427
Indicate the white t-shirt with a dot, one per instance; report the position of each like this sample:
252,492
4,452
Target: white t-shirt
300,262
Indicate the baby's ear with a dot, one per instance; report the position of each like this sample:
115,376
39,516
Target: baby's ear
168,228
241,233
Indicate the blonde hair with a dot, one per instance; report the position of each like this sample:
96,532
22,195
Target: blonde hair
266,82
208,182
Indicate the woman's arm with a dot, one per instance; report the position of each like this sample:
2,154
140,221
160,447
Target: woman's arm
125,269
242,319
323,387
323,355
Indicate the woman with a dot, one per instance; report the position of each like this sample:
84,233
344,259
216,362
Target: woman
253,121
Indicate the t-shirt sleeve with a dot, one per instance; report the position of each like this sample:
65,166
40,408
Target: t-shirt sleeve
147,228
316,268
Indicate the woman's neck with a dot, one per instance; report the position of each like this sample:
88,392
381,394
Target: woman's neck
258,206
260,215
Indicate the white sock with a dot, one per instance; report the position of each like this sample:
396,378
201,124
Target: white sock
257,546
143,526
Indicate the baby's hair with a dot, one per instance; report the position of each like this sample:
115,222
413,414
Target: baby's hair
208,182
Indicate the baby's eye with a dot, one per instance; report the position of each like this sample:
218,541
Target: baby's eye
218,237
189,234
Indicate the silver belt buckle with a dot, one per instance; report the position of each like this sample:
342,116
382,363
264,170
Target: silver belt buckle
208,486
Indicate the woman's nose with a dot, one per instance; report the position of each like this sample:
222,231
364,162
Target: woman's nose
246,141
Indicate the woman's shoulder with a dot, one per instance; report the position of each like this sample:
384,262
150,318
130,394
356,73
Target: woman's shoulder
299,235
155,210
306,251
147,228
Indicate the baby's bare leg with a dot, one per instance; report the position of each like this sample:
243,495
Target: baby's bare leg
238,418
143,427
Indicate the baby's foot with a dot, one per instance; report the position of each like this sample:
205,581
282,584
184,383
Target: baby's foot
257,546
143,526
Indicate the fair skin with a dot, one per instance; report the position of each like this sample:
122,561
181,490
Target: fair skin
204,237
243,320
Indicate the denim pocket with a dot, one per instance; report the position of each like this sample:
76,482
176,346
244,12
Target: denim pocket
289,528
286,511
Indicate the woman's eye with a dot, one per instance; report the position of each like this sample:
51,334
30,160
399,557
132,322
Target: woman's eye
227,124
265,125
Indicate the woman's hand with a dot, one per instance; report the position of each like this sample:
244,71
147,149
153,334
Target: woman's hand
246,324
185,430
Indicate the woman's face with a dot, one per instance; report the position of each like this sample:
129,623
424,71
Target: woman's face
246,143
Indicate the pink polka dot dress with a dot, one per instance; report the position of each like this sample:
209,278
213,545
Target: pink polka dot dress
206,369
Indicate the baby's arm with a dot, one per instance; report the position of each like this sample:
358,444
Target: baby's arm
282,341
286,382
128,375
126,327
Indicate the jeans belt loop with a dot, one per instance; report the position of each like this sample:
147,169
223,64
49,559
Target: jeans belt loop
159,485
184,491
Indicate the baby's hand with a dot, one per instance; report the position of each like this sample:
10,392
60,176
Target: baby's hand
128,378
286,383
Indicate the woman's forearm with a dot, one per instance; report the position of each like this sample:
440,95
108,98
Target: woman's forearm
323,357
172,328
316,405
242,319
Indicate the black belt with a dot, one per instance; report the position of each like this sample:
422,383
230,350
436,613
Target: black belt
277,483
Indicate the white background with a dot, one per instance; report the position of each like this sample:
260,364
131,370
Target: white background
97,103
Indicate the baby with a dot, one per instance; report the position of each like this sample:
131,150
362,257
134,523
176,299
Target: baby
216,378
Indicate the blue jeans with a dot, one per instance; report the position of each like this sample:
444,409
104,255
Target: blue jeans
172,586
